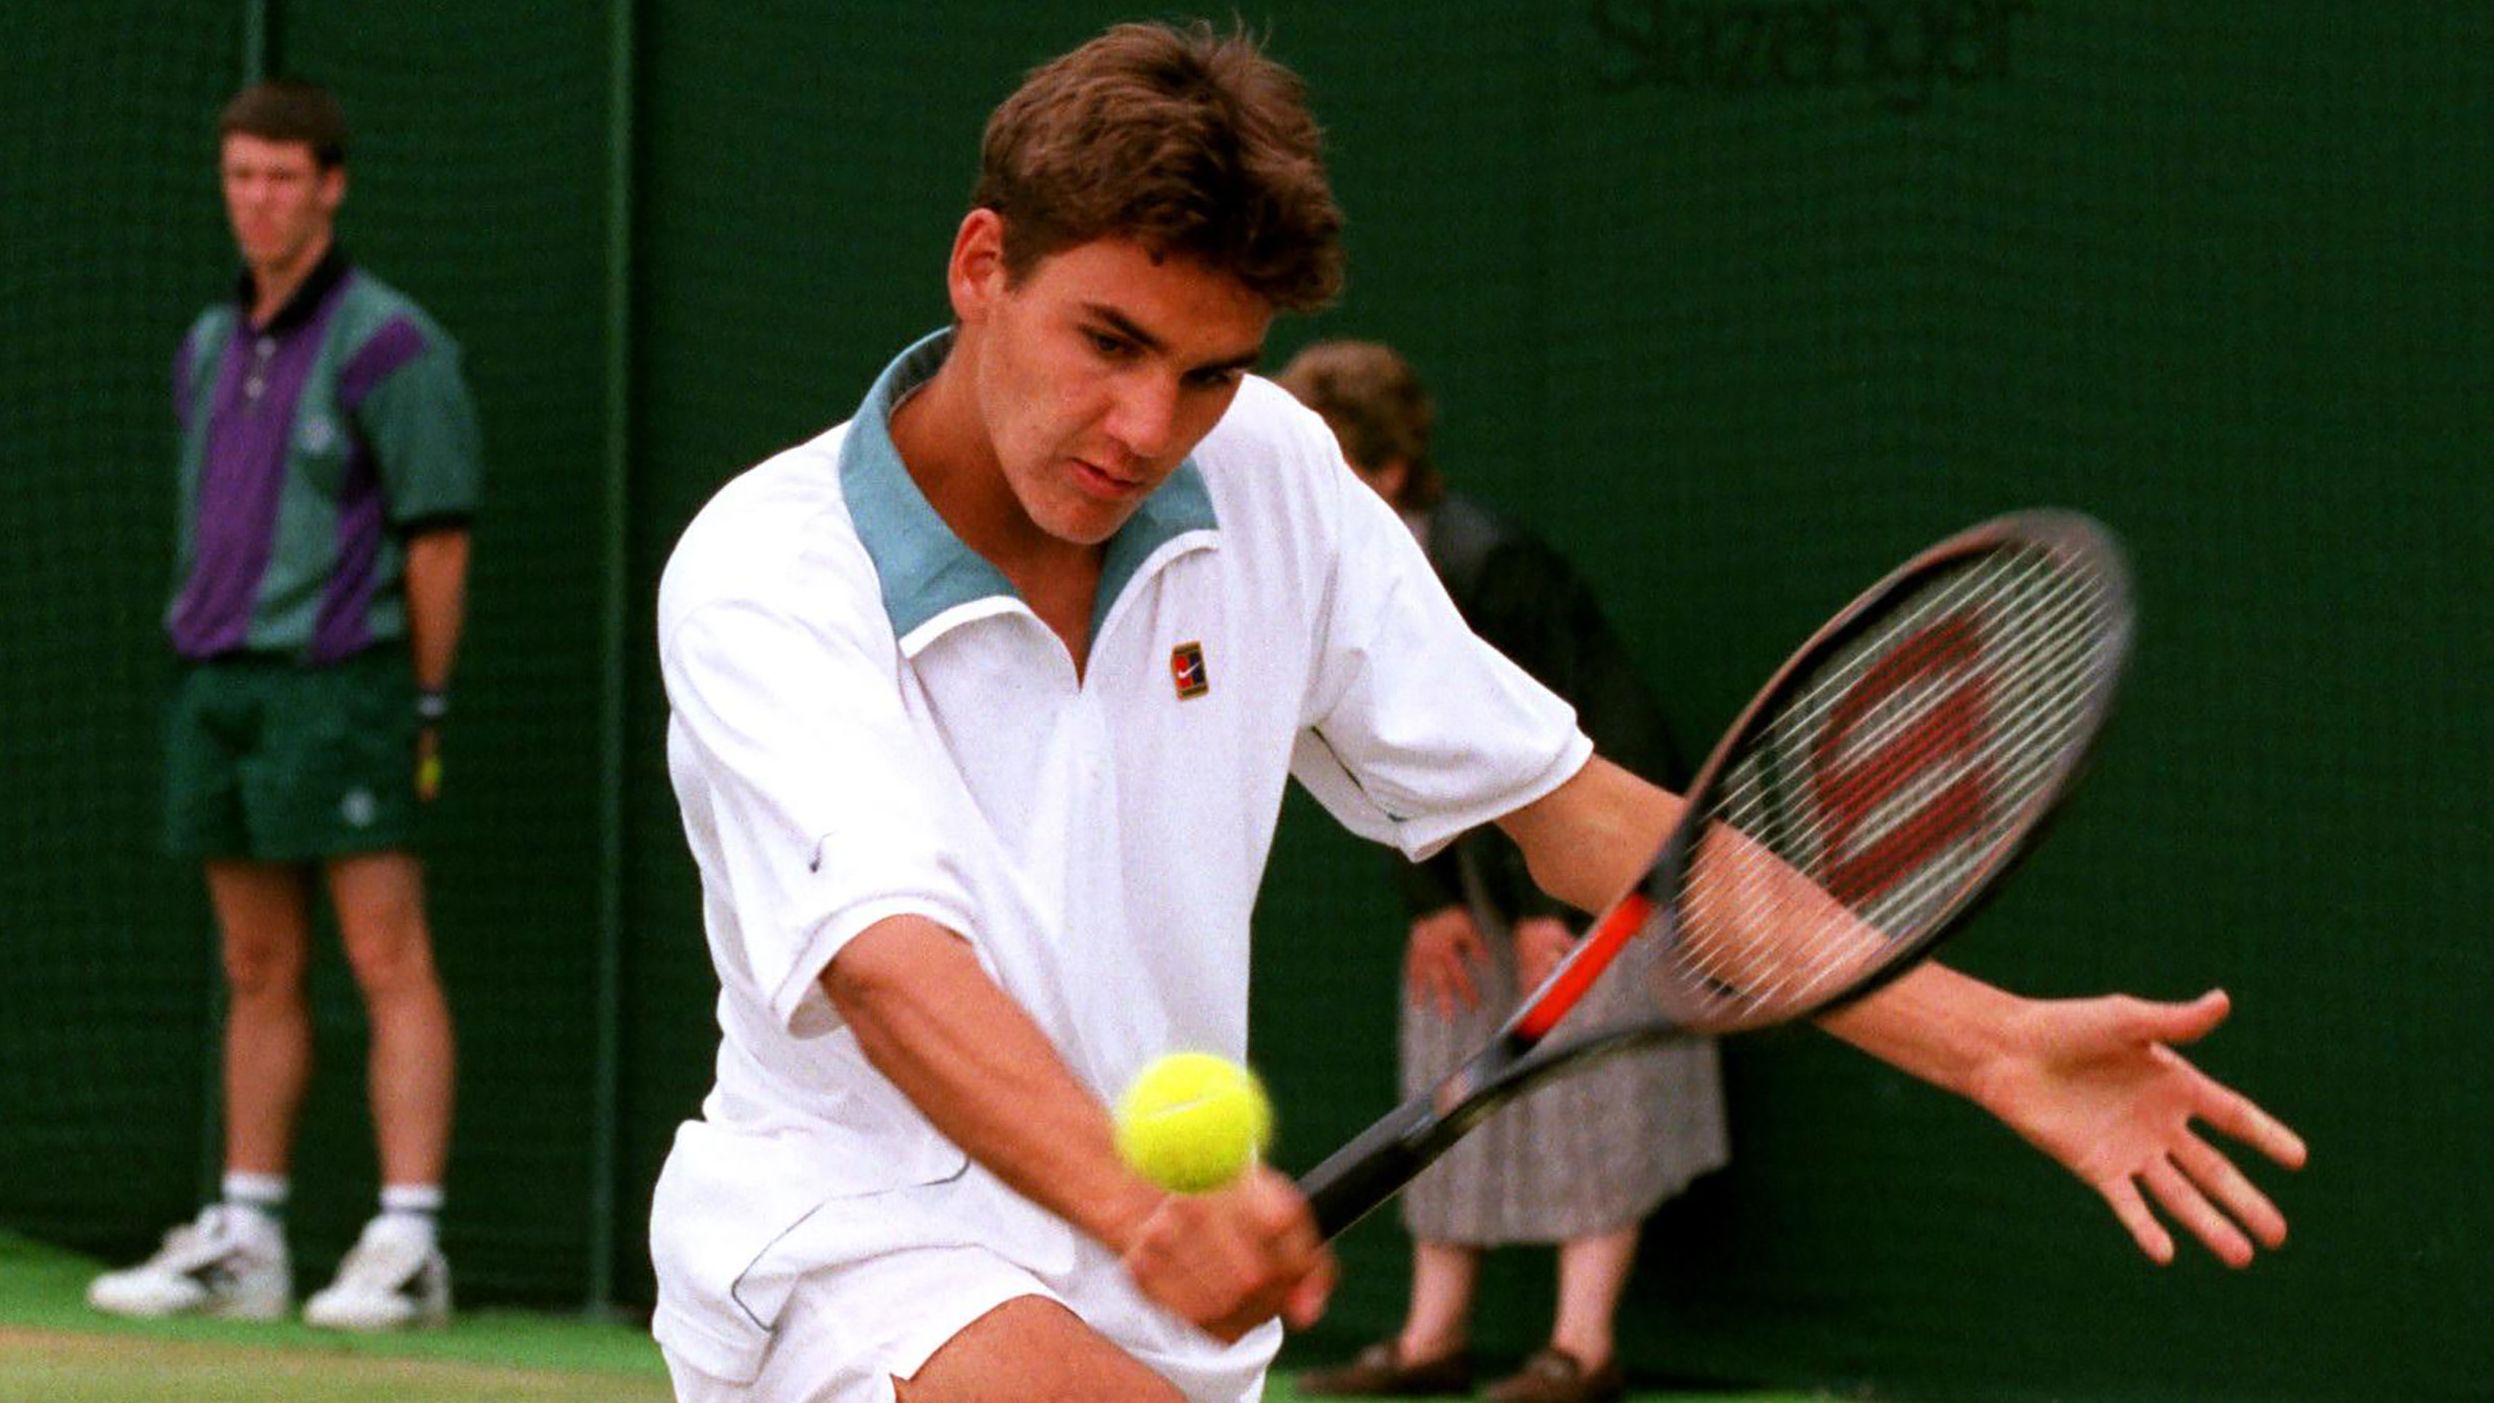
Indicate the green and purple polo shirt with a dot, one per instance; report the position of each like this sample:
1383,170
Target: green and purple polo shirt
312,448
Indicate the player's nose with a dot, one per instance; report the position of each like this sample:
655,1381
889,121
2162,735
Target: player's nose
1143,419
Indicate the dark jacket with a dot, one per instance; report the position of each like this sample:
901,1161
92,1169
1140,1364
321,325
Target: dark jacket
1528,603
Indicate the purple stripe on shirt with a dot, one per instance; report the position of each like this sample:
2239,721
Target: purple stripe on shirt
396,343
242,474
344,628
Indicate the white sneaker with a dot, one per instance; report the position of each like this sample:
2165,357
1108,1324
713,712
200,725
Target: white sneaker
225,1264
395,1277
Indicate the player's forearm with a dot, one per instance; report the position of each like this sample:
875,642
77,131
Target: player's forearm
931,1019
1939,1025
1586,841
437,591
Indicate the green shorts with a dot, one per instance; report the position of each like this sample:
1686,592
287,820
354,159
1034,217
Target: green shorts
266,758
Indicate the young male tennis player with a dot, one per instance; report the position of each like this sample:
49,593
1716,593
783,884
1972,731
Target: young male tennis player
983,705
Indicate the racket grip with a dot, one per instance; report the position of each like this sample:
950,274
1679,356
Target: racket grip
1354,1180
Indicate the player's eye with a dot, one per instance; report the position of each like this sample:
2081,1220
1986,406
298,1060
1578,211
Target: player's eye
1108,345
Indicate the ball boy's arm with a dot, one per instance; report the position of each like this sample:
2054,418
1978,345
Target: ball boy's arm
930,1018
437,594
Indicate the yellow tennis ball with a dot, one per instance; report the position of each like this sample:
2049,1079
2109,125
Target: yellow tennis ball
1192,1121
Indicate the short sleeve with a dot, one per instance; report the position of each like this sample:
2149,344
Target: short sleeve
806,795
1416,730
412,404
1534,607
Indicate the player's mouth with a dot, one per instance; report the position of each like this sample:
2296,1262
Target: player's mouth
1096,481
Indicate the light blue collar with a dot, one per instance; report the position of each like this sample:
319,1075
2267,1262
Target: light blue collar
925,569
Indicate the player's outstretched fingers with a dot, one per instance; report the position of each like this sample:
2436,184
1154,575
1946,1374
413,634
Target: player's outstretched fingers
2235,1194
2135,1215
2238,1116
2188,1206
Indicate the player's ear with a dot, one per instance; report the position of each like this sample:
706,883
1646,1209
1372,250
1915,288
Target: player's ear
975,276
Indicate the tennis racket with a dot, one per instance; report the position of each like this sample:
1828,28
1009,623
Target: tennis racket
1883,782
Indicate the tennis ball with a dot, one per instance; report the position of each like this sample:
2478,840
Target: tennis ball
1192,1121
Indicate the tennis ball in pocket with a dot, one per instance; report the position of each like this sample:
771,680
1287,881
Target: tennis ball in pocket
1192,1121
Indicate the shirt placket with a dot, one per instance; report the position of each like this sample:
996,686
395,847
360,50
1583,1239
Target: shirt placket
255,379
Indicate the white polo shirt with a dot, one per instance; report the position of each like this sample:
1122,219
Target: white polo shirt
868,721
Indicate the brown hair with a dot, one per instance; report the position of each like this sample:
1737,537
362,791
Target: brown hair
1186,141
1374,400
289,109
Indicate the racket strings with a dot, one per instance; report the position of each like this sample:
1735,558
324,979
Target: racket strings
1945,837
1841,961
1889,780
2039,697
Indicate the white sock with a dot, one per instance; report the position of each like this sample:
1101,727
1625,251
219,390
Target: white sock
415,1207
259,1199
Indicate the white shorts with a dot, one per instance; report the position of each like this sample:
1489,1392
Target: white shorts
848,1331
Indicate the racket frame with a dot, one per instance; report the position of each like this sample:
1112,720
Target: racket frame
1374,1165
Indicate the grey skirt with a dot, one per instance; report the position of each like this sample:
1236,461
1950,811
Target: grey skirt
1596,1150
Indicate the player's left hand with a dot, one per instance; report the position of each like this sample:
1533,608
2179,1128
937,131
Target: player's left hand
2097,1085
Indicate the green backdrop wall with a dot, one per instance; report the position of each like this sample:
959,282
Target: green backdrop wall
1739,299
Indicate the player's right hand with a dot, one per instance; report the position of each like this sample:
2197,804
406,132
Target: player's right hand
1234,1258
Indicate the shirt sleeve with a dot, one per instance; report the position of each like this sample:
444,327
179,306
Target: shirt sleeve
808,803
1534,607
1416,730
421,424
